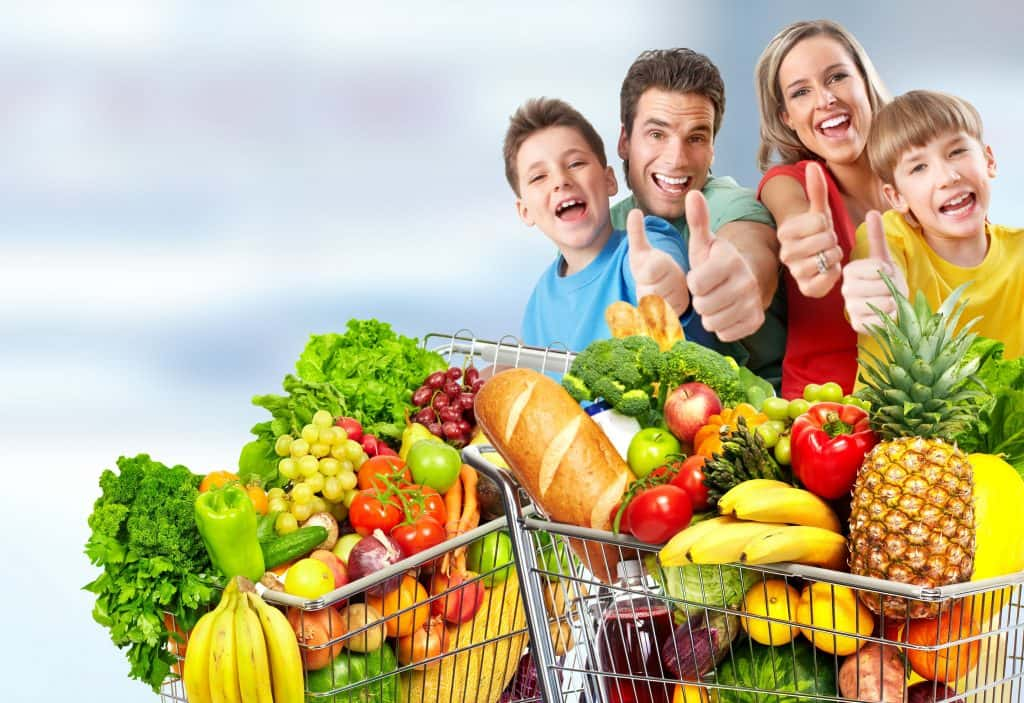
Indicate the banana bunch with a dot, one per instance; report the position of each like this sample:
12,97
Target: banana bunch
243,651
762,522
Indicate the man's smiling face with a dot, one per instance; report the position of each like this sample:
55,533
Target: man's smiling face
669,150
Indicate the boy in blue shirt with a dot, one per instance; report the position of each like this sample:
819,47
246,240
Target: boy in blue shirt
555,162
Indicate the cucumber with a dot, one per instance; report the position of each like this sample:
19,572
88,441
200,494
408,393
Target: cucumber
292,546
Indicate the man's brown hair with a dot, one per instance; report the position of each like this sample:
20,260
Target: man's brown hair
676,70
914,119
540,113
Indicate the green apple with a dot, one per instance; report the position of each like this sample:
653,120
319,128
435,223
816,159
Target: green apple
434,464
491,555
344,545
651,448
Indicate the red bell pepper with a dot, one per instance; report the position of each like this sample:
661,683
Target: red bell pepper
829,443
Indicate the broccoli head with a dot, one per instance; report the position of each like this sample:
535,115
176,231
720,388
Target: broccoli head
614,368
689,361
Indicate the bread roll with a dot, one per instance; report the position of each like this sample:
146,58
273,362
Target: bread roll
556,452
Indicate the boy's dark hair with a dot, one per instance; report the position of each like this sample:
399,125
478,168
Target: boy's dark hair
676,70
540,113
912,120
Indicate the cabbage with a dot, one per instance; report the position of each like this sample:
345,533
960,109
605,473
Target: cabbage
776,671
703,585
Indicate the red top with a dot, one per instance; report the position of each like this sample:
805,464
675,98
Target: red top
820,344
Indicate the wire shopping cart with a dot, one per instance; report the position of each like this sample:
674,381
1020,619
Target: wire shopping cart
681,634
481,660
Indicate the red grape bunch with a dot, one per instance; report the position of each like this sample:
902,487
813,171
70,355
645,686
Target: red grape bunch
445,402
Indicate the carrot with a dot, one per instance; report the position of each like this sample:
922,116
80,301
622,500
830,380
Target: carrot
453,506
470,516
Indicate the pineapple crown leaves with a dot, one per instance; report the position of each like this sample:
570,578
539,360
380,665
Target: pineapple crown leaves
918,385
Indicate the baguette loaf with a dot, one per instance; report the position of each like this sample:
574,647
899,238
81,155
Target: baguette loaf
557,453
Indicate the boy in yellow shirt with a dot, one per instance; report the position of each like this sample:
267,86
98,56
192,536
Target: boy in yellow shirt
927,149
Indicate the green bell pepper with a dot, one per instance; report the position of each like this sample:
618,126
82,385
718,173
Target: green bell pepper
227,523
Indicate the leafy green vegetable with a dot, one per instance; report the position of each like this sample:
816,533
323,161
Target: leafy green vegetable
368,373
775,671
145,538
999,428
702,585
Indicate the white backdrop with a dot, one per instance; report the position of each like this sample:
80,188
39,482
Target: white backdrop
188,193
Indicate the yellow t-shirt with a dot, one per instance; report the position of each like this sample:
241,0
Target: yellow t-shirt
996,292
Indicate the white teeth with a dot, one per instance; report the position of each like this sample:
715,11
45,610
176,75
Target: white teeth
957,200
566,204
672,181
834,122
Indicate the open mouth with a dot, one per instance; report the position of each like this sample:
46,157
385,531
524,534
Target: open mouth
670,185
570,210
836,126
958,205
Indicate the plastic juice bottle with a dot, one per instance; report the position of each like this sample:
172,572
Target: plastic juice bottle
629,640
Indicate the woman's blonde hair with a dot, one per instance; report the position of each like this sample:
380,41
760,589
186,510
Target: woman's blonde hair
914,119
776,137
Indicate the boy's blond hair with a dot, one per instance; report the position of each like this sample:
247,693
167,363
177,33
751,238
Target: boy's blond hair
914,119
540,113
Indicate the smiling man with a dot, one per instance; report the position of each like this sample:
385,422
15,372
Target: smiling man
671,107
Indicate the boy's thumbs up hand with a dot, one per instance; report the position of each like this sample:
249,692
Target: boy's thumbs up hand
655,271
862,283
723,288
807,243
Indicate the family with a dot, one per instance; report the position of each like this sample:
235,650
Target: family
786,279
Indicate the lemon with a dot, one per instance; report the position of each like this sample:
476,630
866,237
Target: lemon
309,579
835,611
773,599
688,693
999,543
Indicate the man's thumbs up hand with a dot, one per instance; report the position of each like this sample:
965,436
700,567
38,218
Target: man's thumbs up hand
655,271
724,290
807,242
863,286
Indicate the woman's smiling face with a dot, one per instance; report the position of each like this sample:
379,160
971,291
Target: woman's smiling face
825,99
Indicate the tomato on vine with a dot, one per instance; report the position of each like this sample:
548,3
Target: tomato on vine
369,512
656,514
418,534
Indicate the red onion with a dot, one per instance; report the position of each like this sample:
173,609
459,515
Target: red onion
372,553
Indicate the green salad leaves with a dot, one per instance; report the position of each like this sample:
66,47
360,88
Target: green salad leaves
1000,425
368,373
144,537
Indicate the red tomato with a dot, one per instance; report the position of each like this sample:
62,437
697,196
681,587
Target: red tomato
389,467
691,479
657,514
367,513
423,533
429,503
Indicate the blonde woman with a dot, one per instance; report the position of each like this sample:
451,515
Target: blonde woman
818,92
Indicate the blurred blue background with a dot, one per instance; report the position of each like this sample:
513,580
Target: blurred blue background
191,189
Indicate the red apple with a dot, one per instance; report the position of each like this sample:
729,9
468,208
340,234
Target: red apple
461,597
336,565
688,408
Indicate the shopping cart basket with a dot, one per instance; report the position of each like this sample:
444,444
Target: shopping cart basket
682,635
480,657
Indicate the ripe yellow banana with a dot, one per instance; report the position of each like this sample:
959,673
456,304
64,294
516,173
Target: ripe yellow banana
197,661
725,544
727,503
251,654
282,650
223,661
802,544
196,674
674,553
789,505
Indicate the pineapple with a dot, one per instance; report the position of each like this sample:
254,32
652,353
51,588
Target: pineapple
912,512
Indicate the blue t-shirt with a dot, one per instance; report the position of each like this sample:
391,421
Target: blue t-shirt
570,309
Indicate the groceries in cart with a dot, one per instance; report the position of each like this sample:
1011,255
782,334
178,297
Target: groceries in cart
355,516
865,506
